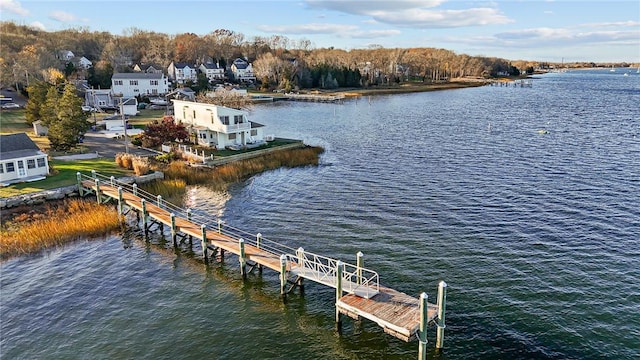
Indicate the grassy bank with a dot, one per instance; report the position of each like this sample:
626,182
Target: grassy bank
64,174
54,225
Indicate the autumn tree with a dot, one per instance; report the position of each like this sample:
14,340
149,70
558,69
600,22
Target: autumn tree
227,99
160,132
70,122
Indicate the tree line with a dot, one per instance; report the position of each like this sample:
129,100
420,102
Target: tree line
277,60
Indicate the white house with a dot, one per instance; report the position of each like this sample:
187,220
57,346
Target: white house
81,62
218,126
148,68
139,83
65,55
182,72
100,98
242,70
21,159
212,71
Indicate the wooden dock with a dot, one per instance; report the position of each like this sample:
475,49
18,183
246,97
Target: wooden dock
399,314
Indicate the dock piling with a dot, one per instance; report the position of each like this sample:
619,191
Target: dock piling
159,201
442,304
258,244
203,230
283,276
80,187
143,203
120,201
98,197
338,293
174,232
359,266
135,189
241,258
422,332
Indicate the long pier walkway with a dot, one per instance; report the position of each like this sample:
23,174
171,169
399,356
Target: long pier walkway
358,289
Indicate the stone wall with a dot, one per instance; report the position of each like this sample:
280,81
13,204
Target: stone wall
41,197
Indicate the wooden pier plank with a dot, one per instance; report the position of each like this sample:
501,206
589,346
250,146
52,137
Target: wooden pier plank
391,309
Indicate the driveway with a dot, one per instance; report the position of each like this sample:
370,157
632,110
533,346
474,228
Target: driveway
106,146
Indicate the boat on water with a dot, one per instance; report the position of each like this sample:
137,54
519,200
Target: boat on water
612,69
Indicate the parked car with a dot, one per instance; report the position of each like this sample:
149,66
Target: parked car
10,106
89,108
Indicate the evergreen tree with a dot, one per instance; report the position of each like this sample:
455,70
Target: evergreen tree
70,123
48,111
37,98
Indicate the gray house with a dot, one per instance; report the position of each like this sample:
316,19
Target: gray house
21,160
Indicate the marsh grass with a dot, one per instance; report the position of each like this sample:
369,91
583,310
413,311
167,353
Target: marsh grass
222,176
59,224
171,190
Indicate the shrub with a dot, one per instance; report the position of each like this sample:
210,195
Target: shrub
141,165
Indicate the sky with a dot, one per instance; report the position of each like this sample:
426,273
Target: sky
551,30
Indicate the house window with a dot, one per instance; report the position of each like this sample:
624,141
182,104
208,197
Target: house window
117,82
1,168
133,82
232,136
41,162
154,91
237,119
154,82
135,90
194,114
224,120
11,167
254,132
31,164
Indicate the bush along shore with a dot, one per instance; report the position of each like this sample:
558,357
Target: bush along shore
55,223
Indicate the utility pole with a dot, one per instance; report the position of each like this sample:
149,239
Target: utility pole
124,122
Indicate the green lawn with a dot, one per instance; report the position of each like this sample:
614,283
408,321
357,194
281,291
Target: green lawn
65,175
13,121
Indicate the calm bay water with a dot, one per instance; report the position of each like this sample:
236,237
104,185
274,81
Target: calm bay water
535,233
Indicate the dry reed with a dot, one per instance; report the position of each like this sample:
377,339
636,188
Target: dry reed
73,219
171,190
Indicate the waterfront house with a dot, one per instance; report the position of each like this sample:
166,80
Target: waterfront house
218,126
148,68
21,159
139,83
242,71
212,71
182,72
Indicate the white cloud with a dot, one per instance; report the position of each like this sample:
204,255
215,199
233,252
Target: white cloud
553,38
364,7
13,7
415,13
441,18
62,16
313,28
37,25
372,34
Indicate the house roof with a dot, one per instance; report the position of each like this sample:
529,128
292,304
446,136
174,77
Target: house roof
211,66
137,75
145,67
240,64
182,65
16,146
